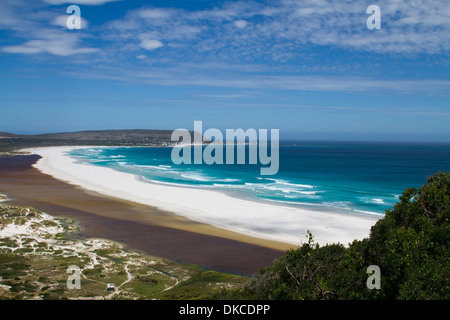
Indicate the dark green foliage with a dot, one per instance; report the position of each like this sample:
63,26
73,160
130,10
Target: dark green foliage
410,245
12,266
300,274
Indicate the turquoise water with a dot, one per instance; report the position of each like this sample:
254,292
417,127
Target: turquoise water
357,178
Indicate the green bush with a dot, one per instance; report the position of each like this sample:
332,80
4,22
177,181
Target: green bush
410,245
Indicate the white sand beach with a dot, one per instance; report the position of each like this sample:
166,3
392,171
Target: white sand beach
259,219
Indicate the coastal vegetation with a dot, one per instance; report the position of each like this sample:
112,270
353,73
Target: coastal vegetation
410,245
36,251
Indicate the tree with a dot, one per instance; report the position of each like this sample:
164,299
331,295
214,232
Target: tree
410,245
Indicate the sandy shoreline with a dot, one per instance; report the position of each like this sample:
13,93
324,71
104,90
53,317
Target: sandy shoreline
261,220
138,227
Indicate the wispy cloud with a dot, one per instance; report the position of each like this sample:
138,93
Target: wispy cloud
51,42
251,81
61,21
276,30
38,29
421,26
151,44
248,44
81,2
156,13
278,33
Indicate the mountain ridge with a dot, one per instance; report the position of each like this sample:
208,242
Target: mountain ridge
128,137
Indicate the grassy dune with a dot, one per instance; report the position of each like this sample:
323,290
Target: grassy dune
37,249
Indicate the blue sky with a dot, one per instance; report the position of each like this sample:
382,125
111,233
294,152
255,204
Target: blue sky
309,68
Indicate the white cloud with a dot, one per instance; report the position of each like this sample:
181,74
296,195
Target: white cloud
37,29
279,29
177,76
155,13
60,44
151,44
245,33
240,24
61,21
82,2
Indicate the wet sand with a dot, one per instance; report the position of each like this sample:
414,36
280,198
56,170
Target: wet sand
153,231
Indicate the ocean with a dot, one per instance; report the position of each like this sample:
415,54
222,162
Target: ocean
348,177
